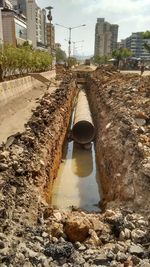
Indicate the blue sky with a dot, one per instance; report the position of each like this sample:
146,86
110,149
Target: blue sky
130,15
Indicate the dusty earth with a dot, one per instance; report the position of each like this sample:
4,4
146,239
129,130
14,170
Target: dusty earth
18,111
32,233
121,109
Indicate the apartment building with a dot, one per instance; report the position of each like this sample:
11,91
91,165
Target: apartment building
106,35
14,27
20,6
28,21
50,29
32,22
135,43
36,21
43,27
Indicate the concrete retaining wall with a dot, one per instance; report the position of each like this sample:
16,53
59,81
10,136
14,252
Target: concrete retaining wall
14,88
49,74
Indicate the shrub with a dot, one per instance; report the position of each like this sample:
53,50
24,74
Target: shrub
22,60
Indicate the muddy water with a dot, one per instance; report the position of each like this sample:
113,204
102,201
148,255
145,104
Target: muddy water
77,183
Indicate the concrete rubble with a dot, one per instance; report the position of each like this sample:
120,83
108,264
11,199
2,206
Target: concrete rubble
32,233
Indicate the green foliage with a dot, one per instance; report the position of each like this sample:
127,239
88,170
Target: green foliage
121,54
60,55
147,47
100,59
146,35
71,61
22,60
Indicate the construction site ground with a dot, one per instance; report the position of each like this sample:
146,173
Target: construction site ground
32,233
16,113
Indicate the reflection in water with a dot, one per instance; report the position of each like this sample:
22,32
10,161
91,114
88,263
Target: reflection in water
82,163
76,183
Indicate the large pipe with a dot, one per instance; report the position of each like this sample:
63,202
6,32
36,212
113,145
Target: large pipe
83,130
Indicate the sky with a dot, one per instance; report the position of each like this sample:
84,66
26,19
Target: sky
130,15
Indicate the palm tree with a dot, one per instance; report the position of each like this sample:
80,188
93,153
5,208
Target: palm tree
121,54
147,47
146,35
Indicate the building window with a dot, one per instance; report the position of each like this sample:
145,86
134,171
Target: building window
21,32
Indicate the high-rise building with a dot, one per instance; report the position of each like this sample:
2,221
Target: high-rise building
135,43
43,27
50,36
36,21
14,27
106,35
20,5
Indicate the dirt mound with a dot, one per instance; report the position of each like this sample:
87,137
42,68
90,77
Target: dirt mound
121,109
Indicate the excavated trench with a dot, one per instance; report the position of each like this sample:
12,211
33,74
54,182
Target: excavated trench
29,161
114,164
78,183
32,233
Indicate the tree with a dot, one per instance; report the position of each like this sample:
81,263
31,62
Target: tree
60,55
146,35
121,54
22,60
101,59
71,61
147,47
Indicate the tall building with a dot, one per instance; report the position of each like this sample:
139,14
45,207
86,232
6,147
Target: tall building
31,22
106,35
36,29
43,27
50,36
14,27
135,43
36,21
20,5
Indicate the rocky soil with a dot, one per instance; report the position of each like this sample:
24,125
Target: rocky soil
115,238
32,233
120,106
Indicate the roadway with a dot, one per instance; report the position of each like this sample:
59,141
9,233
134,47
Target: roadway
16,113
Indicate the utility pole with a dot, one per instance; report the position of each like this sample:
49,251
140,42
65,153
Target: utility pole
50,18
1,37
70,31
1,26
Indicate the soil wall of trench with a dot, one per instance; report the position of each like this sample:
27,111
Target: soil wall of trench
122,146
29,161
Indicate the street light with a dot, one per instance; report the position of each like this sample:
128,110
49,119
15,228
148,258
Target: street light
1,29
49,17
70,29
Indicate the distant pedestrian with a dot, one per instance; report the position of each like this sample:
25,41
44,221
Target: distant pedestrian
142,68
